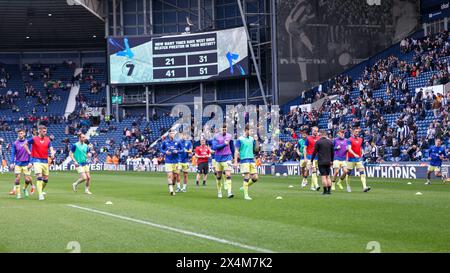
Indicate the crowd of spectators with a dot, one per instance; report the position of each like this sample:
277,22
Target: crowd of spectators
393,140
4,76
399,140
134,142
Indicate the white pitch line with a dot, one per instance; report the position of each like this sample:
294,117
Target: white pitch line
185,232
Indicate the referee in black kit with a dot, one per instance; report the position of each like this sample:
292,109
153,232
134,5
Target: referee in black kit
325,151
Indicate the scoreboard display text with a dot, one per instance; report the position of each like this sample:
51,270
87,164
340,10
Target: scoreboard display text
188,57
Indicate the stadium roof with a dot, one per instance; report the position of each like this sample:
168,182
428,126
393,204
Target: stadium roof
48,24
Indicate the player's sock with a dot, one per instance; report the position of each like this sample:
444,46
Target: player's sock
17,188
184,186
39,185
79,181
363,180
219,184
314,182
196,182
304,181
169,183
204,182
225,186
339,184
229,184
252,181
245,187
44,184
87,189
333,186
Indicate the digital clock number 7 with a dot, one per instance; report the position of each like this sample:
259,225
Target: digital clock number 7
128,68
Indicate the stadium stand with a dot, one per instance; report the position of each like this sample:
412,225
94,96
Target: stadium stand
378,95
383,101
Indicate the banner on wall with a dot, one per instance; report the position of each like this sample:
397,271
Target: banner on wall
398,170
93,111
436,89
304,107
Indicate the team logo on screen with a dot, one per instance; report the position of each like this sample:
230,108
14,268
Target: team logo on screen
125,51
232,59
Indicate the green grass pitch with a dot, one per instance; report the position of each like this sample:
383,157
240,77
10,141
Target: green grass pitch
303,221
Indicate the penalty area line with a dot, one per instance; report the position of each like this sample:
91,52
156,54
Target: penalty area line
167,228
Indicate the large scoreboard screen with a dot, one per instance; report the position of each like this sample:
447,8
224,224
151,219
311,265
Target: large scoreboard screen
187,57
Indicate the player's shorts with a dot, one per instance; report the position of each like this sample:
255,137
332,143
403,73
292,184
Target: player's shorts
203,168
303,163
184,167
434,168
315,164
214,163
249,168
22,169
83,169
337,164
171,167
223,166
41,168
324,170
353,165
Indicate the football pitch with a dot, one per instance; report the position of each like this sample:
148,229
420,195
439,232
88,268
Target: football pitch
144,218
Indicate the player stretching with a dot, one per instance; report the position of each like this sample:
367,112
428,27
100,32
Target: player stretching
40,145
80,154
437,154
183,165
170,148
203,153
245,148
355,148
303,163
340,160
223,146
308,151
20,159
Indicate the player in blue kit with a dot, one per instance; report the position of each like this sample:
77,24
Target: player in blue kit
170,148
437,155
183,159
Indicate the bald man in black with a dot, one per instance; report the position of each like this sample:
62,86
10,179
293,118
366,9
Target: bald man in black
325,151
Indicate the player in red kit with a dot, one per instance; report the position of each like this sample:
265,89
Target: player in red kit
308,151
355,151
40,146
203,153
